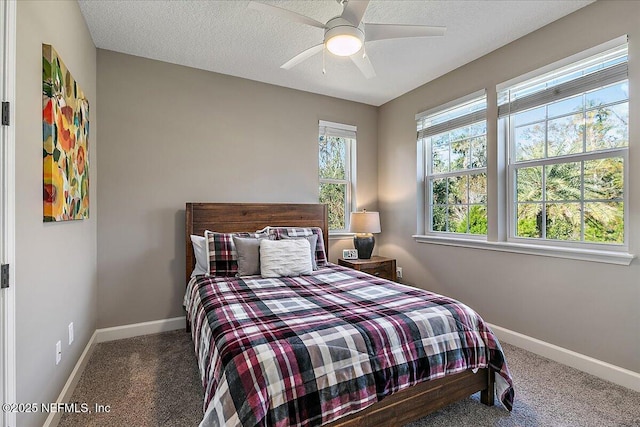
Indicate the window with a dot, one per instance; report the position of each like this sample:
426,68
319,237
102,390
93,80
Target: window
337,143
453,143
551,178
567,136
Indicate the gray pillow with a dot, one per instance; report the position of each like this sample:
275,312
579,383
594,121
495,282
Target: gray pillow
313,240
248,250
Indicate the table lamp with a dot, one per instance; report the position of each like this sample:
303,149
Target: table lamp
364,224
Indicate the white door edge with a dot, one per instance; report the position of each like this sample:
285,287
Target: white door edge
8,353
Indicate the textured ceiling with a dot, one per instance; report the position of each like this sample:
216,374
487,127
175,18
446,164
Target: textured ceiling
227,37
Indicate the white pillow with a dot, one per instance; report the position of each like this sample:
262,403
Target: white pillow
313,240
285,258
200,251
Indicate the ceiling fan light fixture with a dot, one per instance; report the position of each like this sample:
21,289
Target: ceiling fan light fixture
344,45
344,40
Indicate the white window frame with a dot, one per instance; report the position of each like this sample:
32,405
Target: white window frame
348,132
574,158
513,166
500,196
426,174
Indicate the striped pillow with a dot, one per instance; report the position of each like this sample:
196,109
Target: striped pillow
280,232
222,254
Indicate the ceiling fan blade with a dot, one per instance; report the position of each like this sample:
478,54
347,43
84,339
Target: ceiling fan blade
302,56
396,31
278,11
364,65
354,11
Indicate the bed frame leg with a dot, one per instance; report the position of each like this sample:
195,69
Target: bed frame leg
487,395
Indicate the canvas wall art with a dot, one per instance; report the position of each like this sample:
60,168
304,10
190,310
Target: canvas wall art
65,134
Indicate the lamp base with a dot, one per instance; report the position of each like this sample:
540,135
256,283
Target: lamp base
364,244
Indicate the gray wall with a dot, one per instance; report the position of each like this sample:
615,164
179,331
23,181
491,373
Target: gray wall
587,307
171,134
56,268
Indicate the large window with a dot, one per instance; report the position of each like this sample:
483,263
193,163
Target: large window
337,143
453,142
544,173
568,135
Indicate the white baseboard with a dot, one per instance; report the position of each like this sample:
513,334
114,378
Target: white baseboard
604,370
137,329
54,417
103,335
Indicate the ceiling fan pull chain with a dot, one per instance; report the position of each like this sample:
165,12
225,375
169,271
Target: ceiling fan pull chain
324,70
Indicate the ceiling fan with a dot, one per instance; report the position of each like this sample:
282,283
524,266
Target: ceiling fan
345,35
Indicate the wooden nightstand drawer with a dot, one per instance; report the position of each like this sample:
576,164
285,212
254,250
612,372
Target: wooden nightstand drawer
381,270
377,266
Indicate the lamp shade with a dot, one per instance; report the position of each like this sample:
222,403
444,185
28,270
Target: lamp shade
365,222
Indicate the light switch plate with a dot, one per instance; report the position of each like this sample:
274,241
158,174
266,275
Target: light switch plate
350,253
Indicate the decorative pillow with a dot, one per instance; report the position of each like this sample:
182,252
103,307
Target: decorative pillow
248,250
285,258
321,256
313,240
200,252
221,252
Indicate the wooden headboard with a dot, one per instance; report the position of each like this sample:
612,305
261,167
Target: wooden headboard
230,217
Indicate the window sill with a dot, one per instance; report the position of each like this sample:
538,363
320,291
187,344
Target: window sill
343,235
607,257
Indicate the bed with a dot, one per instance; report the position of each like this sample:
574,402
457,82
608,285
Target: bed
384,395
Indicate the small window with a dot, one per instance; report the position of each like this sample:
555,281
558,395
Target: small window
568,138
336,161
453,141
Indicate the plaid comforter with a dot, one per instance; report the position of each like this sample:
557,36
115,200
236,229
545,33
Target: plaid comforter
304,351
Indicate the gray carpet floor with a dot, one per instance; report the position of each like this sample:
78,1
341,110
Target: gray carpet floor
153,380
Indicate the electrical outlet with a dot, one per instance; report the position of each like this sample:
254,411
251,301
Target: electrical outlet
70,333
399,272
58,352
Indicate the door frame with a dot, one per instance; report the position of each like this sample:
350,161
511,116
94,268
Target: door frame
7,204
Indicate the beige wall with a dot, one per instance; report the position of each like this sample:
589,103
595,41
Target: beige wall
587,307
172,134
56,279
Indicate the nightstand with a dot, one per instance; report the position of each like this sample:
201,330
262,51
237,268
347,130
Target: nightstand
378,266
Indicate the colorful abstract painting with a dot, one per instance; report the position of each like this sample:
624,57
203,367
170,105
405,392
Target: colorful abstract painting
65,133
